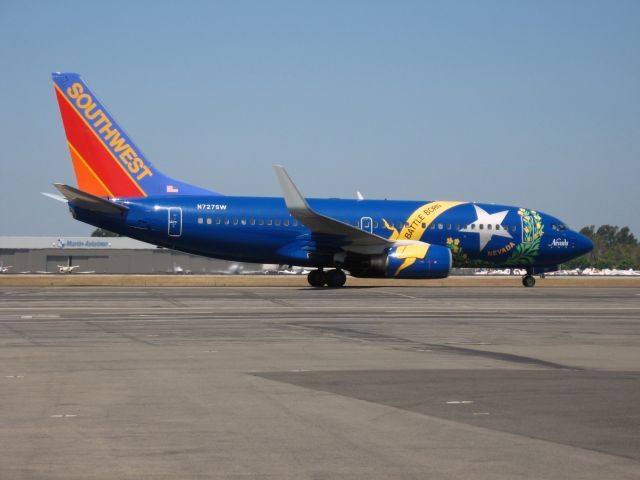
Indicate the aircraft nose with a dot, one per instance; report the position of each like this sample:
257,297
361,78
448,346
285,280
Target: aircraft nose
583,244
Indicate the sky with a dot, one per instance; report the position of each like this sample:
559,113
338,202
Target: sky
533,104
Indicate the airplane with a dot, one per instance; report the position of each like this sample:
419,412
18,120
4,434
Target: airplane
5,269
121,191
178,270
68,268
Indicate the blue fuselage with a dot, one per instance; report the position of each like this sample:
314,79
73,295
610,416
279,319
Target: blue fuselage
261,230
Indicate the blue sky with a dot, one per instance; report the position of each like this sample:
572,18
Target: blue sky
522,103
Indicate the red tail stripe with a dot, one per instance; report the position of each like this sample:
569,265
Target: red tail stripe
95,152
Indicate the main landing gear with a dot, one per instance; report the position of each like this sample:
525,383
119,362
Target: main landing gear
333,278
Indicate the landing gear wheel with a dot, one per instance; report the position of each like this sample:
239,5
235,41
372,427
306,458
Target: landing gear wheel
335,278
528,281
316,278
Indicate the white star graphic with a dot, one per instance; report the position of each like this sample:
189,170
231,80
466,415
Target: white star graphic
488,226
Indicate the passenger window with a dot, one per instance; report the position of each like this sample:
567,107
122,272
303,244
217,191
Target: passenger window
375,224
424,225
226,221
457,227
295,222
481,226
252,221
269,222
235,221
209,221
200,220
473,226
286,223
498,226
433,226
261,221
277,222
399,224
440,226
243,221
489,226
448,226
217,220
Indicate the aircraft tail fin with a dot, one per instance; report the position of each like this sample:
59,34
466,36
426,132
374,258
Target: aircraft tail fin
106,161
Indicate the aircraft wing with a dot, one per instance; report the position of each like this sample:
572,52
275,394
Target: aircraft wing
357,240
88,201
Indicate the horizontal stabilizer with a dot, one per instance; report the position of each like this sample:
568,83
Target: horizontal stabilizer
88,201
59,198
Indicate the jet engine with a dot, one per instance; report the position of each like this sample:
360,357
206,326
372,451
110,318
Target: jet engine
410,260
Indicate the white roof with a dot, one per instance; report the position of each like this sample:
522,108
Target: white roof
62,242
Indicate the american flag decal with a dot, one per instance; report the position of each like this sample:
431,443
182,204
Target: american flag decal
171,189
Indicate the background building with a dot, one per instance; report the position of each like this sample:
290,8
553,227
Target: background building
105,255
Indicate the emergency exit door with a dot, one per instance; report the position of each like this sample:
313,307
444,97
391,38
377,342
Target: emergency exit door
366,224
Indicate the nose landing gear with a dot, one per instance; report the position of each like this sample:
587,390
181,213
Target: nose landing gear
333,278
528,281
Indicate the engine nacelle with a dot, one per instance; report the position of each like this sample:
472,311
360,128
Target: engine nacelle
418,260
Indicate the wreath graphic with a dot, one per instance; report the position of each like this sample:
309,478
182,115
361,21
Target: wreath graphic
532,230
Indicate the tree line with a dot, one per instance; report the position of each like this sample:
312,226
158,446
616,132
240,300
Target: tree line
613,247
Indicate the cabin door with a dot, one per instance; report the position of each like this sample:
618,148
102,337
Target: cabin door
175,221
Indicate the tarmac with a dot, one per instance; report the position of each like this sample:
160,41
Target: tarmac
289,382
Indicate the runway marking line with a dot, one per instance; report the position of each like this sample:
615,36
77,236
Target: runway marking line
304,307
400,294
458,402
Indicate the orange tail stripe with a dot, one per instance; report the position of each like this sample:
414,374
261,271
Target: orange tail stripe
88,181
98,158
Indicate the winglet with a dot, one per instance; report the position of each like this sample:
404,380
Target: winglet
292,196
